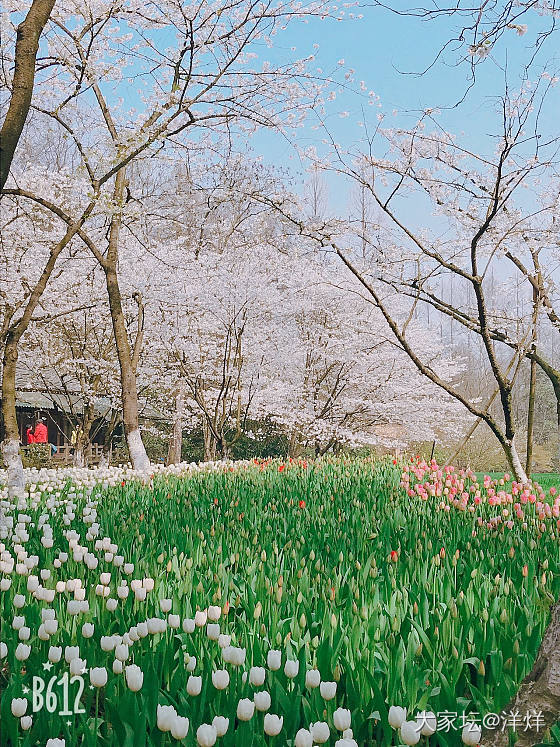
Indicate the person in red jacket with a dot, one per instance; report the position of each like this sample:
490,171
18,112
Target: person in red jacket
29,434
40,434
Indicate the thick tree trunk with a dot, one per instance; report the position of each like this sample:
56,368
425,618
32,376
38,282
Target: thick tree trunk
514,460
11,443
176,441
27,44
539,693
129,393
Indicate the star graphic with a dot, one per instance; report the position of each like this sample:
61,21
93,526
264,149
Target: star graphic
47,666
25,689
91,687
68,723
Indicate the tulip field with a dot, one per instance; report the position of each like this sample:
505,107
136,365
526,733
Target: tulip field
340,602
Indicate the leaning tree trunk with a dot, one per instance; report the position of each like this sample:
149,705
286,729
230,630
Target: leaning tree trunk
129,392
176,441
11,443
539,693
27,44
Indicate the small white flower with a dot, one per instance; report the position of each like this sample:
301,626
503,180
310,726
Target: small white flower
200,618
312,678
194,685
77,666
274,660
188,625
165,717
304,738
397,716
291,668
342,719
180,727
320,732
273,724
245,709
327,690
220,679
410,732
165,605
26,722
214,613
262,700
206,735
134,677
257,676
55,654
87,630
427,722
472,734
221,724
213,631
98,676
19,707
22,651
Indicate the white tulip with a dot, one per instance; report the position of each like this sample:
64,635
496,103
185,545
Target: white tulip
180,727
291,668
22,651
220,679
327,690
221,724
472,734
397,716
214,613
19,707
173,621
134,677
312,678
24,633
191,663
245,709
112,604
342,719
257,675
98,676
55,654
71,652
107,643
194,685
206,735
77,666
200,618
427,722
56,743
262,700
3,650
166,715
87,630
213,631
224,640
19,601
304,738
26,722
165,605
51,626
273,724
117,667
188,625
320,732
410,732
274,660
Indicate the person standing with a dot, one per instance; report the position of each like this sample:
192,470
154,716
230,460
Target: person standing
40,434
29,434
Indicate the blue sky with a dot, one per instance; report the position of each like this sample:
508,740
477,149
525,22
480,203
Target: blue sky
386,50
